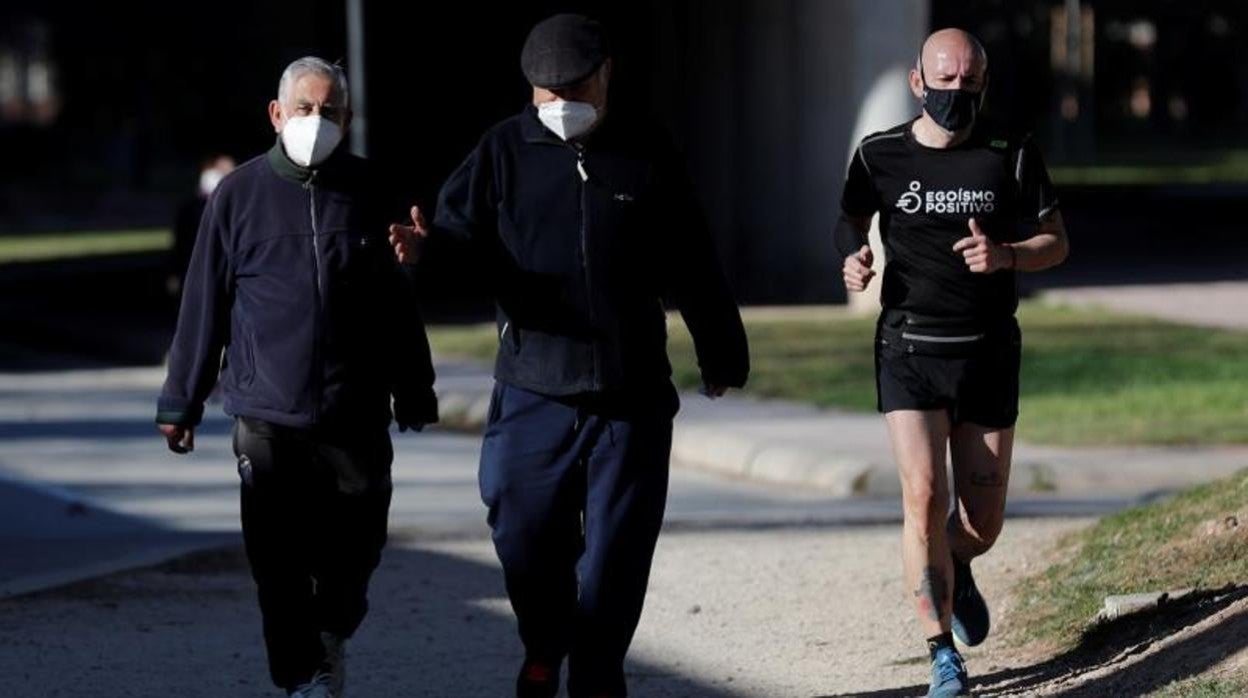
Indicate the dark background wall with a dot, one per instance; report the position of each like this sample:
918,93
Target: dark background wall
765,97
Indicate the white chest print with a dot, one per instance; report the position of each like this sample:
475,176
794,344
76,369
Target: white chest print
958,200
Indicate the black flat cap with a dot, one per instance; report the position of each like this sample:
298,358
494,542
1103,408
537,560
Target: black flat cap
563,50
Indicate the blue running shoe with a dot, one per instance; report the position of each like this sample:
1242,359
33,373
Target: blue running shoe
970,613
948,675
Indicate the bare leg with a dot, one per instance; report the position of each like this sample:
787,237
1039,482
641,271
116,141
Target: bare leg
919,443
981,473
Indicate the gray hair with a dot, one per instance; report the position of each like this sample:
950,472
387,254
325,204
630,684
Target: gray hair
318,66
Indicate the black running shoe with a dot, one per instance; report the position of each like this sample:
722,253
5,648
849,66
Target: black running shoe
970,613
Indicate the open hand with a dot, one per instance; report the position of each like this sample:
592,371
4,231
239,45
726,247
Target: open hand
409,240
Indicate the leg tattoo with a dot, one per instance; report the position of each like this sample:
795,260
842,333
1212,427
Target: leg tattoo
933,593
989,478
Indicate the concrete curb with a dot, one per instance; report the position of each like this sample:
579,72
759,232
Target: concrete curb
722,451
770,452
729,453
139,559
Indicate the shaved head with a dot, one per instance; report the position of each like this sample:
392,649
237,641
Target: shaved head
950,53
949,78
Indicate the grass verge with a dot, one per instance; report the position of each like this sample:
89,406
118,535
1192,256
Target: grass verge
50,247
1206,687
1089,377
1183,542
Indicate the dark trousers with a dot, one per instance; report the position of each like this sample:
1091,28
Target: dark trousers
576,491
314,510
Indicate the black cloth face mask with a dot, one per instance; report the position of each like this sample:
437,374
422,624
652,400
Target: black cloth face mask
953,110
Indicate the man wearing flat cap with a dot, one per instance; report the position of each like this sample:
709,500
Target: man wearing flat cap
585,223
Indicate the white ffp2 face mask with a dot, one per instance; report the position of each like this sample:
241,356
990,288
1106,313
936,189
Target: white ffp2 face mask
310,139
567,119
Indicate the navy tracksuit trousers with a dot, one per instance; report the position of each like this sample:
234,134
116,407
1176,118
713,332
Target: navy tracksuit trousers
576,489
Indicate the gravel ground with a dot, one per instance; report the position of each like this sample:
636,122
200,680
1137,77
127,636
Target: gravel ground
731,612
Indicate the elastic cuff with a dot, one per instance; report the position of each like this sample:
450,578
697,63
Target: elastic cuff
184,418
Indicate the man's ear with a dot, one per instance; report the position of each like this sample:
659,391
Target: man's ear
916,84
605,82
275,115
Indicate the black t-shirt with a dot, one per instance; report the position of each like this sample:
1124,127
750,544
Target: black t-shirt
926,196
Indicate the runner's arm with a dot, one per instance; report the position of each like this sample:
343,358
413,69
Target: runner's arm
1047,248
1048,245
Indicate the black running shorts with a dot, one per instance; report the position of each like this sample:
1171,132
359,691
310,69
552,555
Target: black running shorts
967,369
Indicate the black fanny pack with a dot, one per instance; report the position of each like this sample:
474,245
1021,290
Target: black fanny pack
913,333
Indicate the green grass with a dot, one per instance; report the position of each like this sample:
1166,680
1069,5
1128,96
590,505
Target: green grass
49,247
1230,168
1097,378
1158,547
1089,377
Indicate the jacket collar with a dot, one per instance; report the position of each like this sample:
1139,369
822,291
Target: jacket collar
292,171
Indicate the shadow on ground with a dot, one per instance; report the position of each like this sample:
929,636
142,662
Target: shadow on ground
439,627
1088,670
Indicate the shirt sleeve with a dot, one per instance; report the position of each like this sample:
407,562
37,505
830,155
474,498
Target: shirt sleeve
1036,196
859,197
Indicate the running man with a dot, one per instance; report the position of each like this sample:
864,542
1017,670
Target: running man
962,208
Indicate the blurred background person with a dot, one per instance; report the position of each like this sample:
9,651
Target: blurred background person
186,221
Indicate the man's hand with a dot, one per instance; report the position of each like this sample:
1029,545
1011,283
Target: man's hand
982,256
713,391
409,240
181,439
857,270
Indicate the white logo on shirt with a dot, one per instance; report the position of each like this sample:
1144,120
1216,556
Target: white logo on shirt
947,201
911,201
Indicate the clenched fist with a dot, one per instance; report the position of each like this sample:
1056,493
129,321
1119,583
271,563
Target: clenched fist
857,270
181,439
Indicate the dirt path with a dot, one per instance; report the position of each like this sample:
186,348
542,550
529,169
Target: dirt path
733,612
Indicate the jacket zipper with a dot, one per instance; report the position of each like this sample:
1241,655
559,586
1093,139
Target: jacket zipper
589,295
316,317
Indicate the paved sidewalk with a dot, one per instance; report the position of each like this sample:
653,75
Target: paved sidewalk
1213,304
50,537
105,496
87,487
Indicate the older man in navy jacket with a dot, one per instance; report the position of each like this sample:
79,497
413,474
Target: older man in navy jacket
586,222
293,277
